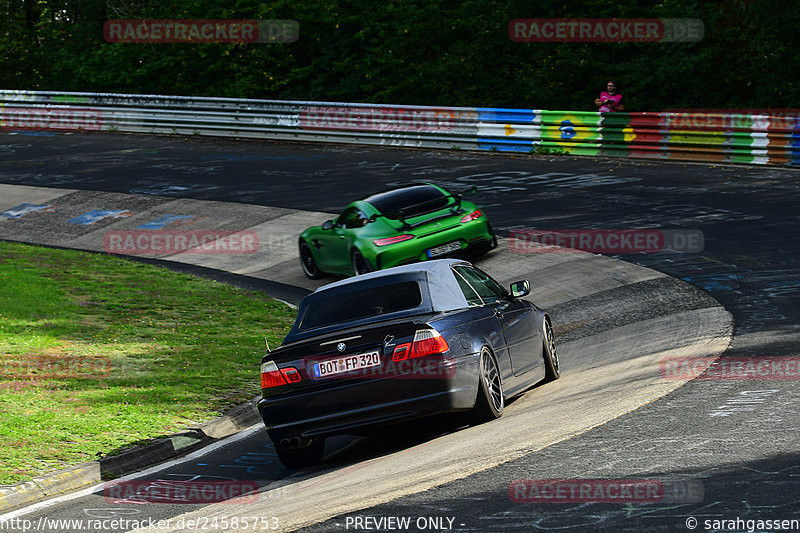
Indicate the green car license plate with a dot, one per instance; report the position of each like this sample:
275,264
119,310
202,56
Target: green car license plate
444,249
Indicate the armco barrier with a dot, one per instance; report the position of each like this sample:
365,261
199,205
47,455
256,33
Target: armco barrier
691,136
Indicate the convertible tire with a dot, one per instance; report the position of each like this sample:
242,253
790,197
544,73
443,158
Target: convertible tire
551,363
308,263
301,457
490,403
360,264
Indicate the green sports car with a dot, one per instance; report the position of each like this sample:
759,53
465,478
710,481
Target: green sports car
395,227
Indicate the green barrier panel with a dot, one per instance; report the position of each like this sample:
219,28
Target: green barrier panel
616,134
572,132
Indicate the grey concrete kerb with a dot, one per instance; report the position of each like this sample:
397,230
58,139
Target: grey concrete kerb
42,487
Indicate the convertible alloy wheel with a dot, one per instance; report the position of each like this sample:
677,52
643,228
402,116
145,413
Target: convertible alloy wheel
360,264
551,363
490,403
310,267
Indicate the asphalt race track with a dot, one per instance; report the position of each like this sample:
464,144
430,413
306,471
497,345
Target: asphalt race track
728,444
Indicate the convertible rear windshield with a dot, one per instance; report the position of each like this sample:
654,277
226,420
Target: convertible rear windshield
363,303
413,200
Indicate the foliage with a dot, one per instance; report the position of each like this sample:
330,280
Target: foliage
414,52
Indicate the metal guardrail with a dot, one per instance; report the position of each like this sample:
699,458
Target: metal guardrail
689,136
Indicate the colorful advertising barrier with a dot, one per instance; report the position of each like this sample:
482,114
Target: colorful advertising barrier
572,132
749,136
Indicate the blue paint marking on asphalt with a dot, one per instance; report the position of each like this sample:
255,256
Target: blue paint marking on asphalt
24,209
506,145
233,157
99,214
712,282
164,221
36,133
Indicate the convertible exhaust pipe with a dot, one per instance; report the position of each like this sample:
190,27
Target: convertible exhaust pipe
295,443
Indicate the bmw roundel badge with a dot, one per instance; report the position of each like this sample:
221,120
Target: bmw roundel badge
341,346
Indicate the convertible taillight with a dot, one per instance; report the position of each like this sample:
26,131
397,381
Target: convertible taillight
401,352
271,376
392,240
291,374
472,216
426,342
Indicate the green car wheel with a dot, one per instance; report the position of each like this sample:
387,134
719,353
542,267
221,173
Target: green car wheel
308,262
360,265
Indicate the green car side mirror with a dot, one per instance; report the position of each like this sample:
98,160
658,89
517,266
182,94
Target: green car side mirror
328,224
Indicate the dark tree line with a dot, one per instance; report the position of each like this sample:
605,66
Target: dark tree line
414,52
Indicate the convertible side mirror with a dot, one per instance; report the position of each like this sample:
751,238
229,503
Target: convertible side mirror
520,288
328,224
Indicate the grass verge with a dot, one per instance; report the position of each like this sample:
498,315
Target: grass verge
98,353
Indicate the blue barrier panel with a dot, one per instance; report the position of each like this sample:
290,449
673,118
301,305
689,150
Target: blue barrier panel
506,116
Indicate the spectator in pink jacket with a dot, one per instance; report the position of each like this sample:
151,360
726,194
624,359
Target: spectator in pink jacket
609,100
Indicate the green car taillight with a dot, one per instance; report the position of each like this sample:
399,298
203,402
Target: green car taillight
472,216
393,240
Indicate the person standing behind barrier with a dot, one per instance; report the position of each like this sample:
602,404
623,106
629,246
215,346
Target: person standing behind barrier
609,100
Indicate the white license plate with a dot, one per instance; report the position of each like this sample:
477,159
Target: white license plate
346,363
444,249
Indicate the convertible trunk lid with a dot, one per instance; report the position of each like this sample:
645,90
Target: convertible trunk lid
343,356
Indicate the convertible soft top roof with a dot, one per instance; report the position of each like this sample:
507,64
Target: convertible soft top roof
439,290
445,292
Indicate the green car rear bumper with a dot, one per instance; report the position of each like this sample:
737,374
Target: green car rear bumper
473,238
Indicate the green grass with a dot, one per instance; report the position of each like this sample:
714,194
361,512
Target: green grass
98,353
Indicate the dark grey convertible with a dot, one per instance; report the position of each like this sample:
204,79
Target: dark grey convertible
403,343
